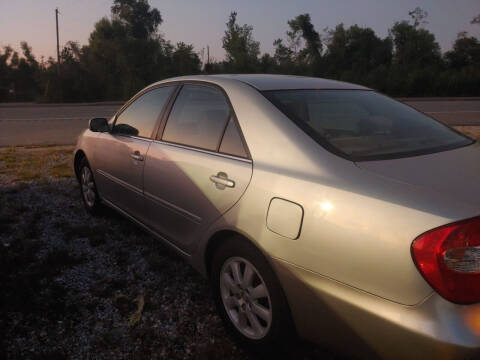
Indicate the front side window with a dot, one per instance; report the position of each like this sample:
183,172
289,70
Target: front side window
140,117
364,125
198,117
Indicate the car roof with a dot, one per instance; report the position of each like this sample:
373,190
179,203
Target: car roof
265,82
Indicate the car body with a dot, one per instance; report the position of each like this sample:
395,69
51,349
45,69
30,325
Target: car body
337,231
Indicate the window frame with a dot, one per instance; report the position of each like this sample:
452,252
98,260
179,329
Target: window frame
161,128
159,117
334,150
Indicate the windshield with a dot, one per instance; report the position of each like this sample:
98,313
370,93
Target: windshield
364,125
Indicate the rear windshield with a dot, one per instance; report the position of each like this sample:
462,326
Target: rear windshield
364,125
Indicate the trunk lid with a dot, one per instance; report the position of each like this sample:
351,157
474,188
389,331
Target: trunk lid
454,173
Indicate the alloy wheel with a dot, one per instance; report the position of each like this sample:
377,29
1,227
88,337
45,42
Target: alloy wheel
246,298
88,186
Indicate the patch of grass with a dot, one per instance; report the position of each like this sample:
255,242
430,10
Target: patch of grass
26,175
23,164
60,171
473,131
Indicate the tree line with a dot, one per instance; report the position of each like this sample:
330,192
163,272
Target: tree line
126,52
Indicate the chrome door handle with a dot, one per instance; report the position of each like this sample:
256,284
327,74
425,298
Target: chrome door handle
136,156
221,181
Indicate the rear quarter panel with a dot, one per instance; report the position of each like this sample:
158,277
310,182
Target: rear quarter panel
357,227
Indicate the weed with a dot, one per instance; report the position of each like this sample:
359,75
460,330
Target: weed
135,318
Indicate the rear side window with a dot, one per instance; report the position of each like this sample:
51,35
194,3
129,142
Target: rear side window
232,143
198,117
364,125
140,117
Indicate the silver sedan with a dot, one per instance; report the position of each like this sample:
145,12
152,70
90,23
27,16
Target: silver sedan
315,207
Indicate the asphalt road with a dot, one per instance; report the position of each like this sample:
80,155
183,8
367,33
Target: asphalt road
47,124
30,124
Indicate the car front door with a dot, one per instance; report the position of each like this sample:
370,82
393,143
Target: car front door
197,168
121,153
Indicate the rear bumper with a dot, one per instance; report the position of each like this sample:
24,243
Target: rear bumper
367,326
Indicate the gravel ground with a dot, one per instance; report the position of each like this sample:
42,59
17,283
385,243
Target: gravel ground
77,287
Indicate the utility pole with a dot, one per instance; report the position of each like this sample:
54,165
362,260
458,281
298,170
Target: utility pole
59,83
58,43
208,54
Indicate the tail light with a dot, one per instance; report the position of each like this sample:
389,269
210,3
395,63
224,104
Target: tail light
448,257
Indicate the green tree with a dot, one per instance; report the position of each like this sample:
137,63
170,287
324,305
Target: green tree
303,49
465,52
141,21
302,26
418,16
6,85
284,57
357,54
268,64
185,60
241,48
416,60
335,58
125,52
462,75
106,58
26,76
75,76
19,75
414,46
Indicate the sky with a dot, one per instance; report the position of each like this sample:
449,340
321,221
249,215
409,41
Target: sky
202,22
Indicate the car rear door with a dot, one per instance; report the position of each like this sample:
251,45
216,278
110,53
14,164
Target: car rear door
197,168
120,154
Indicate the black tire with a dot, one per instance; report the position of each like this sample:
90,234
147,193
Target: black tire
281,329
92,205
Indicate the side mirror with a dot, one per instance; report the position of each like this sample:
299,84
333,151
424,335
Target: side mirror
99,125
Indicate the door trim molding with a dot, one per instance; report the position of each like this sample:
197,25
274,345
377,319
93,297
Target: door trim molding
192,217
138,222
120,182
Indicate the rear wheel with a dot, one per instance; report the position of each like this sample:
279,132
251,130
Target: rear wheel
245,298
248,296
88,189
